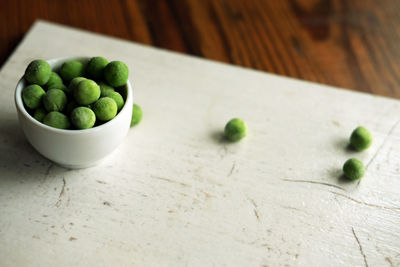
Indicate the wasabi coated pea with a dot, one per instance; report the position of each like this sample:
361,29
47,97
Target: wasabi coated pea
353,169
57,120
54,100
116,73
95,66
137,115
360,138
74,82
105,89
105,108
38,72
83,118
54,81
235,130
86,92
71,69
39,114
32,96
117,98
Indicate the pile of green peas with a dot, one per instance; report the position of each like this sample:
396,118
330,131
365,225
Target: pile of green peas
80,96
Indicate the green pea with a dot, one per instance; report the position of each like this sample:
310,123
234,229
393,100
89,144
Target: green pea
54,81
105,89
235,130
71,69
32,96
73,84
95,66
137,115
353,169
86,92
38,72
116,73
361,138
57,120
39,114
117,98
61,87
105,108
83,118
54,100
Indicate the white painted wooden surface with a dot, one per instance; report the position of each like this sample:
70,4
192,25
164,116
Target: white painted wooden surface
174,195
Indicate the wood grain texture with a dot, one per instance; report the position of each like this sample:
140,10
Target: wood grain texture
175,194
350,44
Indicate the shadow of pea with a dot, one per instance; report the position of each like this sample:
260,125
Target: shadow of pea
337,177
219,137
343,144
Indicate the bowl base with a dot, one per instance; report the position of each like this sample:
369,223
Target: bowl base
79,166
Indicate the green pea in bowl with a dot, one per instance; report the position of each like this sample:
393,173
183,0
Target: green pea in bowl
75,148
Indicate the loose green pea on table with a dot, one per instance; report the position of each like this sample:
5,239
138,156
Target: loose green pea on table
360,139
353,169
78,95
137,115
235,130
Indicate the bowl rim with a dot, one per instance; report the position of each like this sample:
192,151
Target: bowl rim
22,110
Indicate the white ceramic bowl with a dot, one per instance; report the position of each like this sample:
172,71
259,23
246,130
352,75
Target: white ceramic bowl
74,148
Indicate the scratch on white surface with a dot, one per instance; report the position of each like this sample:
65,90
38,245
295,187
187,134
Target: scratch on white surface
389,261
58,203
290,208
62,188
206,194
365,203
389,134
255,207
232,169
359,245
48,170
169,180
313,182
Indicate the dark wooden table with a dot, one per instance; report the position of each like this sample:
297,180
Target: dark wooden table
352,44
